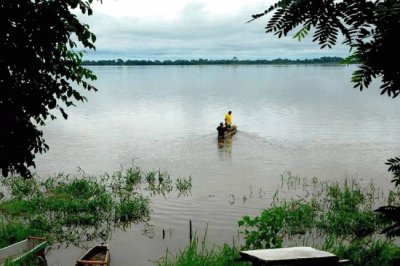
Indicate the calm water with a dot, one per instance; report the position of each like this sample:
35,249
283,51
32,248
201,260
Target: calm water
304,119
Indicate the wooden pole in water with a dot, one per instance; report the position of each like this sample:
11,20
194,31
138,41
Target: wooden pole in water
190,231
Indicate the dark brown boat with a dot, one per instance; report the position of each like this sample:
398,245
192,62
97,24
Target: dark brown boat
99,255
231,131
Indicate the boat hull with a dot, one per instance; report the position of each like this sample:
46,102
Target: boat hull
231,132
99,255
15,253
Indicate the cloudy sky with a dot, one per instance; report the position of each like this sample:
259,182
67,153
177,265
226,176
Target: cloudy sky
191,29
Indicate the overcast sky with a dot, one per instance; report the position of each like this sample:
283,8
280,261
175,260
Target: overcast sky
191,29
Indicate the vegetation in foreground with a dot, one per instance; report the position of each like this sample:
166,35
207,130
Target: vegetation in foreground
198,254
41,72
331,216
79,209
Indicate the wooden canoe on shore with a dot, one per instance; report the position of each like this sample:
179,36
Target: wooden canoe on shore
231,131
18,252
99,255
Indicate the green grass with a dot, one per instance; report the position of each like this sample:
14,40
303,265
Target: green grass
198,254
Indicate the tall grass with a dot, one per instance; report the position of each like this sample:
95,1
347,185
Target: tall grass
199,254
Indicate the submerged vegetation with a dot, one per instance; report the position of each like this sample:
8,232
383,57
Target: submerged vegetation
78,209
332,216
338,217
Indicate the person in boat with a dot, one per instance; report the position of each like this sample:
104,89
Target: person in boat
221,131
228,120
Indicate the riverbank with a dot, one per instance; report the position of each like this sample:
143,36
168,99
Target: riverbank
234,61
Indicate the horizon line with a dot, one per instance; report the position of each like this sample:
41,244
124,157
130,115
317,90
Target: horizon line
221,59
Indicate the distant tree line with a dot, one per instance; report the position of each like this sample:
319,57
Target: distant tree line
234,61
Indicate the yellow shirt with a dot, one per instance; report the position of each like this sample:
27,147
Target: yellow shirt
228,119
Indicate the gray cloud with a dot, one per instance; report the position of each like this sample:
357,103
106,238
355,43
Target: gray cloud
196,34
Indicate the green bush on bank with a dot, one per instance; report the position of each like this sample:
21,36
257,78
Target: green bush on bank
335,217
366,251
332,216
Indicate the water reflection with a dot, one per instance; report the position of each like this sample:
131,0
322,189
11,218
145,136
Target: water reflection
313,124
225,146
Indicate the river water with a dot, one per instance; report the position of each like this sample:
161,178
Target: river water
307,120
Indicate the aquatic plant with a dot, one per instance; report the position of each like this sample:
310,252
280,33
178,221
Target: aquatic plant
337,217
199,254
76,209
183,185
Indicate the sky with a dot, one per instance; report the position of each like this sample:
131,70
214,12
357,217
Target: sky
191,29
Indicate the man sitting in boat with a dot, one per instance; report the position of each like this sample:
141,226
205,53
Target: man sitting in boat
228,120
221,131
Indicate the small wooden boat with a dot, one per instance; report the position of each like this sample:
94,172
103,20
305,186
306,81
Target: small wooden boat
20,251
231,131
98,255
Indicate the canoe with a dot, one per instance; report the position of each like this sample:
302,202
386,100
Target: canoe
98,255
231,131
18,252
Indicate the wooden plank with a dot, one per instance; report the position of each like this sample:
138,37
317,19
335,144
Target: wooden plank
292,256
96,262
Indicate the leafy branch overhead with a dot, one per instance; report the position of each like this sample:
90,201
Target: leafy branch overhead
39,66
369,28
391,212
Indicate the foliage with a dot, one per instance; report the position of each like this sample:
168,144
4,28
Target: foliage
184,185
13,232
262,231
394,167
328,215
75,209
370,29
366,252
39,68
200,255
271,227
391,211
